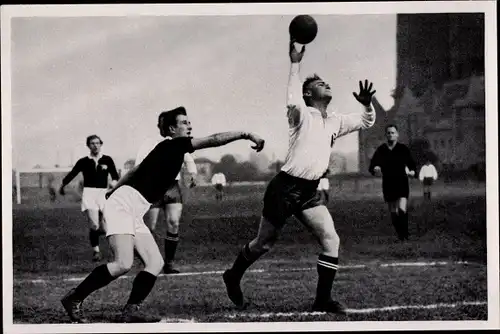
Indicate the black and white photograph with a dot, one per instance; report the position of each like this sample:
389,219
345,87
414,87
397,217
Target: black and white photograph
250,167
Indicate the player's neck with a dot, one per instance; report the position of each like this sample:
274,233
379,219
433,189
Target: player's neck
321,106
392,144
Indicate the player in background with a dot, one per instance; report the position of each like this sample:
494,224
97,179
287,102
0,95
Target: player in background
393,162
128,201
293,191
428,174
51,186
324,187
95,169
171,124
219,182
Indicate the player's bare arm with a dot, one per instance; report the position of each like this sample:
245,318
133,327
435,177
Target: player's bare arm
295,101
223,138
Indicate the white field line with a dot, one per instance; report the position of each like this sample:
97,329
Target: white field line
356,311
220,272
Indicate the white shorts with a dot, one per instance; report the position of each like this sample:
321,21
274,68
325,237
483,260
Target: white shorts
124,211
93,199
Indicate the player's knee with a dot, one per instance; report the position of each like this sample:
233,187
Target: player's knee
155,265
173,224
330,241
123,266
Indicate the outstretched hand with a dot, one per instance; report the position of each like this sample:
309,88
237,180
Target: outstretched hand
259,142
295,56
365,93
61,191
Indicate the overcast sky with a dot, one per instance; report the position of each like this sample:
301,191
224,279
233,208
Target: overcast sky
76,76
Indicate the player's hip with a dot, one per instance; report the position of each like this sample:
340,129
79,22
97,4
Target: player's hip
129,200
286,195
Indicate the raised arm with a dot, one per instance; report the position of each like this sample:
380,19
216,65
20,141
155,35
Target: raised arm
223,138
294,100
361,120
70,176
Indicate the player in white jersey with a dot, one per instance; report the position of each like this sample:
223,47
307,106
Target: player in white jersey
219,182
170,126
428,174
312,131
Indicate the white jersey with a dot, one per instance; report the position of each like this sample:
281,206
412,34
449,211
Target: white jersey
218,178
311,136
148,146
428,171
324,184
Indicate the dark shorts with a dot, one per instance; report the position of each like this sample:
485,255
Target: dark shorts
395,190
219,187
428,181
173,195
287,195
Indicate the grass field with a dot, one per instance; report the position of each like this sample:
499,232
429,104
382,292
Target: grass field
440,274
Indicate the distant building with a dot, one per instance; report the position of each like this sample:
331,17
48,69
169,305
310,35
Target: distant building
440,92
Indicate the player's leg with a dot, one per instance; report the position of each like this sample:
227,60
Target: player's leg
278,206
392,205
122,247
151,217
402,203
148,251
318,220
250,252
173,212
94,233
119,225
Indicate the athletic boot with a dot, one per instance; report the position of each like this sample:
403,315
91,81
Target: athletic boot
168,269
330,306
233,289
132,313
73,307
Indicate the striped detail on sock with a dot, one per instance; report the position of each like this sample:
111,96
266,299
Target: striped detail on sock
172,237
328,264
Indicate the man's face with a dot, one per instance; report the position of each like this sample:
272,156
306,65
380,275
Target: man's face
391,134
318,90
95,146
182,128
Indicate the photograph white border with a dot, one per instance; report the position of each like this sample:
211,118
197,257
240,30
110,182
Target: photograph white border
491,82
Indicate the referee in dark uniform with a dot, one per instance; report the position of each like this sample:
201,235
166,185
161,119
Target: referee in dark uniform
393,161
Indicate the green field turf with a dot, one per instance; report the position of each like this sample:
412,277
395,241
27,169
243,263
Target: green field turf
447,252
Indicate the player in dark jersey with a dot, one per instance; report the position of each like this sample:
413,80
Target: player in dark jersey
393,161
127,203
95,168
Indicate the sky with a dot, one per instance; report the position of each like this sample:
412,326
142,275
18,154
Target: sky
112,76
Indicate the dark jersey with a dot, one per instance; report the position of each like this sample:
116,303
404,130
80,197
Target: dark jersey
157,172
392,162
95,175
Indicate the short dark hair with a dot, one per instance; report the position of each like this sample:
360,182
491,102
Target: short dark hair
92,137
169,117
391,126
308,81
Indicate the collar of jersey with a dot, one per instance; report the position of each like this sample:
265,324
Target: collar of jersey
316,111
95,158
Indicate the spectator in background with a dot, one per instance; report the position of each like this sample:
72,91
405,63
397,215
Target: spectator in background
219,182
428,174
